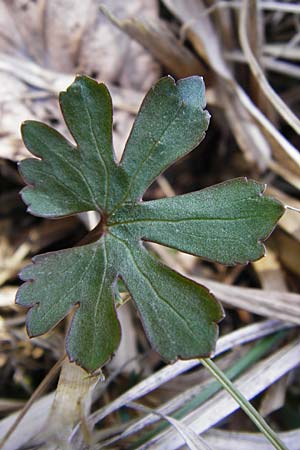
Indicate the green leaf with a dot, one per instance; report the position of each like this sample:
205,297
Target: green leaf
80,277
225,223
66,179
58,185
178,314
170,124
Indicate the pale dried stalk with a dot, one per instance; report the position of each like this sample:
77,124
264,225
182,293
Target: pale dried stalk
221,405
269,63
248,441
280,305
266,5
244,335
71,404
285,51
156,37
198,28
280,106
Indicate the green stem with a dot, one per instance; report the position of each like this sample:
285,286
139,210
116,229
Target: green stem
244,404
256,352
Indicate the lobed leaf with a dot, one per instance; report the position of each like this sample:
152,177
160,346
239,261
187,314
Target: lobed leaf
225,223
81,277
68,179
179,315
57,183
170,123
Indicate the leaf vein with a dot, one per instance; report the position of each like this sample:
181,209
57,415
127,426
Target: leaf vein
157,293
82,176
101,159
62,184
99,295
61,299
150,152
187,219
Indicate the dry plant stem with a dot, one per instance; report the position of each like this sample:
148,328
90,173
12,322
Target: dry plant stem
217,408
290,176
268,62
36,394
238,337
195,34
288,149
266,5
293,208
244,404
248,441
160,41
258,73
70,405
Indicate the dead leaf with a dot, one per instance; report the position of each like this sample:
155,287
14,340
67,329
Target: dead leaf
53,41
159,39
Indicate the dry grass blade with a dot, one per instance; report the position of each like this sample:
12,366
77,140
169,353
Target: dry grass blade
178,401
283,150
191,439
266,5
221,405
34,420
54,82
6,404
248,441
14,263
200,31
276,101
269,63
280,305
247,134
282,51
34,75
244,335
